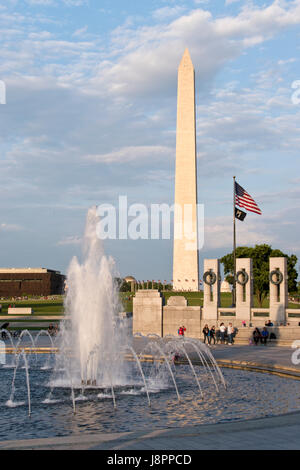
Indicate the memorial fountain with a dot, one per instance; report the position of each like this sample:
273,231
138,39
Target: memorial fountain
95,349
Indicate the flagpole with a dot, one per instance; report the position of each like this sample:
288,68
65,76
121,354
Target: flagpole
234,246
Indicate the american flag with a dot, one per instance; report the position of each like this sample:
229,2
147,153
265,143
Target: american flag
243,199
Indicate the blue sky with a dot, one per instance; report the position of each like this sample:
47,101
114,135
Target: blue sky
91,114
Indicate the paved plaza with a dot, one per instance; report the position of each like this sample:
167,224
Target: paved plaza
275,433
265,357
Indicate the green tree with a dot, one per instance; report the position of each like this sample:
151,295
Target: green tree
260,255
124,286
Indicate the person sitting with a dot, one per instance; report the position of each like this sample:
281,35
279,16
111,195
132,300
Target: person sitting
235,332
264,336
176,357
256,336
51,330
4,329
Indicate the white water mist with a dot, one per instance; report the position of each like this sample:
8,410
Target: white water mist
93,338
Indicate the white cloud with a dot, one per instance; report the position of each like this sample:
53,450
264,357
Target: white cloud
41,2
127,154
218,234
71,240
229,2
75,3
254,230
10,227
167,12
287,61
80,31
151,54
140,61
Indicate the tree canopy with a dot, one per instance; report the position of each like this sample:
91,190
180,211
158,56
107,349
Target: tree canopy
260,255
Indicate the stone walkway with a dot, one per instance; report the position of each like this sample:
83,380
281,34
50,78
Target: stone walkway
275,433
269,355
282,432
266,358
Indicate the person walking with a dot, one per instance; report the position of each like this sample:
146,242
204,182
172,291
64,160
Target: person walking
205,332
212,335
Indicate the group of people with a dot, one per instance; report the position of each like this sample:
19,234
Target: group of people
53,330
261,336
4,329
222,335
226,335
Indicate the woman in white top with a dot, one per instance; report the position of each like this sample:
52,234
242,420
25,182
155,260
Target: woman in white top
230,332
222,332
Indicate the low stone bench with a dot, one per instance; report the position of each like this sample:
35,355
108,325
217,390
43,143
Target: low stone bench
19,311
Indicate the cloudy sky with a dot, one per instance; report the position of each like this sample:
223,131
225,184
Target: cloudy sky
90,114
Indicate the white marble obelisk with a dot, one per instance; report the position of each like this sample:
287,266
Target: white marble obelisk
185,256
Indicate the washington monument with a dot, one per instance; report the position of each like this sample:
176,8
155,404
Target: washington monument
185,256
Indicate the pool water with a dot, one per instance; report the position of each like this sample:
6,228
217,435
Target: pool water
249,395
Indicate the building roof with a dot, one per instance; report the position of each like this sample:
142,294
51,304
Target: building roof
129,279
27,270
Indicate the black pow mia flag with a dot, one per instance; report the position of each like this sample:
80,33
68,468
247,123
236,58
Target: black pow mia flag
240,214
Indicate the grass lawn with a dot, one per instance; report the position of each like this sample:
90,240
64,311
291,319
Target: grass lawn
126,301
40,307
56,307
193,298
29,328
196,298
